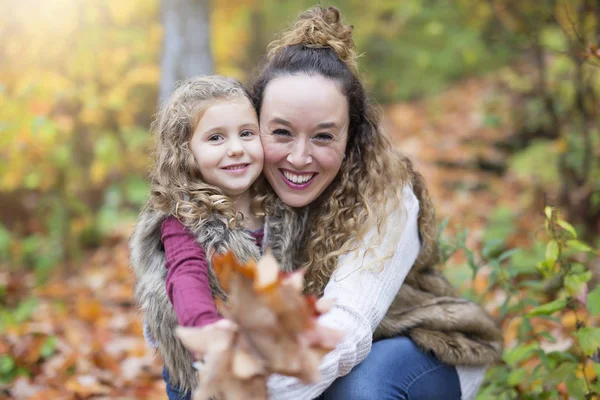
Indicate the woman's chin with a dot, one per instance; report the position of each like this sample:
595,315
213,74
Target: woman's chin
295,198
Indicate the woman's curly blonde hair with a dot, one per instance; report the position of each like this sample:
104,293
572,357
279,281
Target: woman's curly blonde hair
177,187
367,185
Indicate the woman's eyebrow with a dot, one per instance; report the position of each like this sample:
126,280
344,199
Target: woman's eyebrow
322,125
281,121
327,125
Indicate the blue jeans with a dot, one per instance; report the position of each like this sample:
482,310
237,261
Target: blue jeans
395,369
174,393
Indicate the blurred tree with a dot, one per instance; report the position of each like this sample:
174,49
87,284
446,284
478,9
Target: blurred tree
555,89
411,49
186,43
75,100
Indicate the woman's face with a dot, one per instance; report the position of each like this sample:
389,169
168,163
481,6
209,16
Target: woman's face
304,131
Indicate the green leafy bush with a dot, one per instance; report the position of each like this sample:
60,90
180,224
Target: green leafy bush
549,314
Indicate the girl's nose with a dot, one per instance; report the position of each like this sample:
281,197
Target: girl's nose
235,149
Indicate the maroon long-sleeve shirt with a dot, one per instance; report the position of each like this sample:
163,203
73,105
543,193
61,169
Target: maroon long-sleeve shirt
187,281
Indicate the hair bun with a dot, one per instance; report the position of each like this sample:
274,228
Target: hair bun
320,27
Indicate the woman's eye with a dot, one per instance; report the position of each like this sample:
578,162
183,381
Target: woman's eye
281,133
215,137
324,137
246,133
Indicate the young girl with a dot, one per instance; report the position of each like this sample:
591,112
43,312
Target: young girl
208,156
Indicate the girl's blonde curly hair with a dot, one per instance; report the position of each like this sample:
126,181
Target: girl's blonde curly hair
367,185
177,187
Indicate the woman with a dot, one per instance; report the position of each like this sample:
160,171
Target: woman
355,214
342,204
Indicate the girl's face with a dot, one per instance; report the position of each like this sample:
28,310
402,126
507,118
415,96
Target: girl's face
304,131
227,147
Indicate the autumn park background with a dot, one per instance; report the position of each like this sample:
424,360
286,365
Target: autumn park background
497,101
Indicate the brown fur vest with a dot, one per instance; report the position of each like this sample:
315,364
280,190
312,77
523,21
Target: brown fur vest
426,309
147,259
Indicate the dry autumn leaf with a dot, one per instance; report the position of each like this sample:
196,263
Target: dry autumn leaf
270,327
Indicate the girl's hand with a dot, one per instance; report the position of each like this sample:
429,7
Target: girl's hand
220,368
215,337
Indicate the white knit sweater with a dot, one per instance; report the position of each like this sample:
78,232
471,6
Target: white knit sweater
364,289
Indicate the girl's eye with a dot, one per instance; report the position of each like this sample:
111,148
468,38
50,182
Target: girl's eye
246,133
281,133
324,137
215,137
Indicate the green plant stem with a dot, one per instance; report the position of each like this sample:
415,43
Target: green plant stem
565,268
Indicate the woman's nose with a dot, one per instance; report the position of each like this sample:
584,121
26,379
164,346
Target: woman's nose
299,155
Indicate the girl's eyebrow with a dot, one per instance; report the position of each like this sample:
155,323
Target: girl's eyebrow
213,129
224,128
249,125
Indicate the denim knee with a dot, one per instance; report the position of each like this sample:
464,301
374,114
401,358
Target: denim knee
397,369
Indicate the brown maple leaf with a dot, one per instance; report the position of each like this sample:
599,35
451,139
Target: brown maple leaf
270,327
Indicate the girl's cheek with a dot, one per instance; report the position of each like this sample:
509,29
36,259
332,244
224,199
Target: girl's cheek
260,151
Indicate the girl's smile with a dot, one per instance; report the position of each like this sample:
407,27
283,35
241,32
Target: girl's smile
236,169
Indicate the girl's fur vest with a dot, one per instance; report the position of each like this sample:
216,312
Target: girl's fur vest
426,309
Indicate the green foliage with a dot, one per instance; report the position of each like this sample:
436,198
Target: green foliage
539,319
500,227
538,160
5,243
77,99
589,340
593,302
19,314
549,308
555,96
409,49
7,368
420,47
49,347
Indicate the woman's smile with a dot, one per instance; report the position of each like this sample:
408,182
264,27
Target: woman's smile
297,180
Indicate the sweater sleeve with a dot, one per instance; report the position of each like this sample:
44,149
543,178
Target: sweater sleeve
187,281
364,286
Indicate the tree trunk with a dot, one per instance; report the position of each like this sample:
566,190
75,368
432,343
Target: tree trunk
186,45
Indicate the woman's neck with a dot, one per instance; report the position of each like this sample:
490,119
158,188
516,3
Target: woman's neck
242,205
